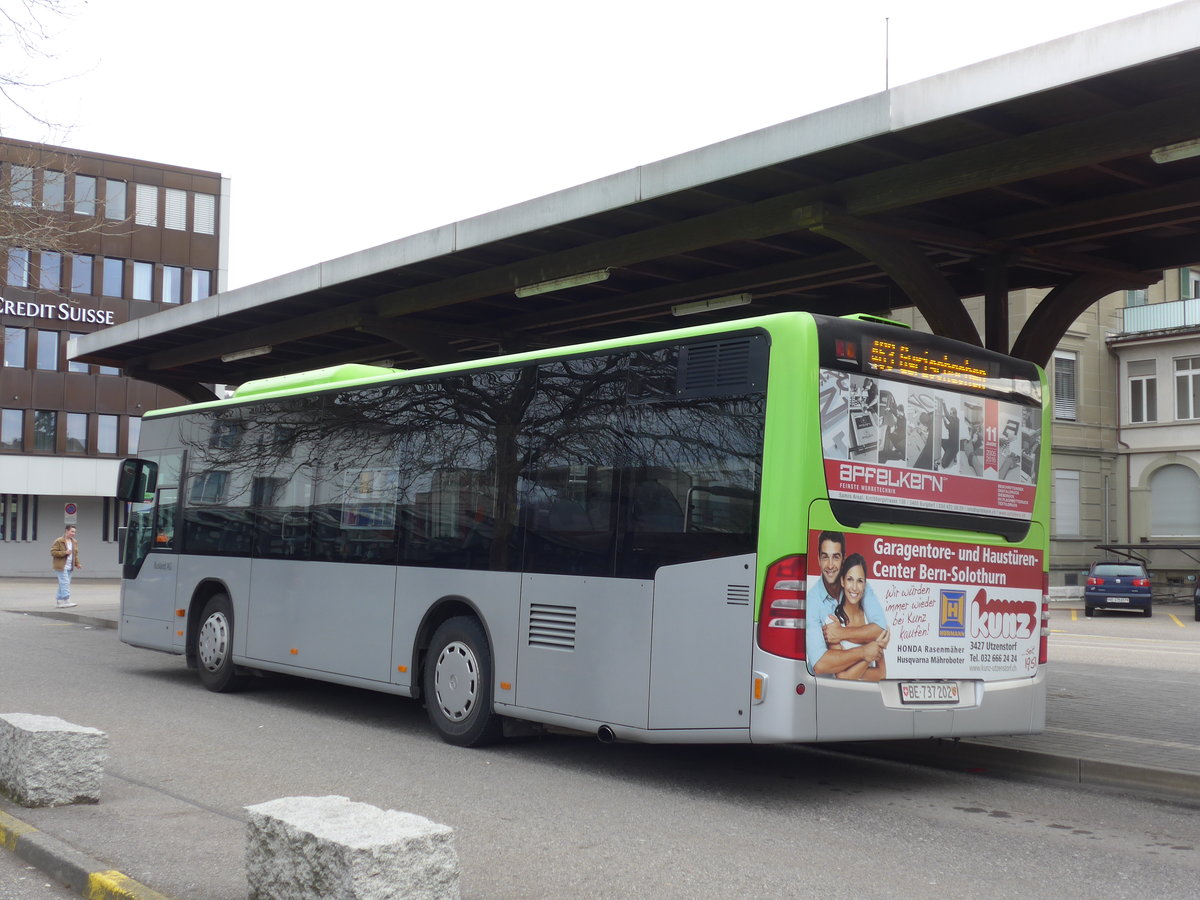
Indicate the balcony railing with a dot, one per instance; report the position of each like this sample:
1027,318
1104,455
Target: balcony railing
1161,316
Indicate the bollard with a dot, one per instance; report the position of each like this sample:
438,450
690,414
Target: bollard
331,848
46,761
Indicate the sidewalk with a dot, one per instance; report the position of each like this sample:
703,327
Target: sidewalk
1147,746
98,600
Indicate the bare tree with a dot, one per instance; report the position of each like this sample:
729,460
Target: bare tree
27,26
44,206
47,207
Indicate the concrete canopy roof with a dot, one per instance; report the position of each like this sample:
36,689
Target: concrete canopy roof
1031,170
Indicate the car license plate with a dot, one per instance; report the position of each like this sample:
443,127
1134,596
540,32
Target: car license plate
929,692
1116,599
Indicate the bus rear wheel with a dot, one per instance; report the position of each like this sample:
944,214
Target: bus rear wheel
458,684
214,647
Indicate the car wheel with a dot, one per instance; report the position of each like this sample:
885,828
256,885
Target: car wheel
458,684
1198,613
1089,611
1147,612
214,647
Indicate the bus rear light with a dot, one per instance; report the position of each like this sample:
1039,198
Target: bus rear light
781,616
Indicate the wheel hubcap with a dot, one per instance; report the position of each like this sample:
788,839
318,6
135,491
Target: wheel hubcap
456,681
212,646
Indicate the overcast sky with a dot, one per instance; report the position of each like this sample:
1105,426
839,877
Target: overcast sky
346,125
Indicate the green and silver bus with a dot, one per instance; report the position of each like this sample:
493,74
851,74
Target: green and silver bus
787,528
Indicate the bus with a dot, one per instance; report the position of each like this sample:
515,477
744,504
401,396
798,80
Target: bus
788,528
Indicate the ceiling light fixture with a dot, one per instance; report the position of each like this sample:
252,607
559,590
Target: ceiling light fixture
699,306
246,354
558,284
1172,152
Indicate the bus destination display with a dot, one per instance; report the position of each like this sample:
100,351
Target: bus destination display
893,358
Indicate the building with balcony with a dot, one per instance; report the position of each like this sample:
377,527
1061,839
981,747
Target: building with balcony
88,240
1125,389
1156,355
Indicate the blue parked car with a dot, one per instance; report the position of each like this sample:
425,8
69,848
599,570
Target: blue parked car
1116,584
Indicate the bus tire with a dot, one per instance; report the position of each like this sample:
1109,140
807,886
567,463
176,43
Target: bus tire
214,647
458,684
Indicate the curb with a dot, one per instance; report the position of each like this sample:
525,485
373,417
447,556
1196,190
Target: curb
68,866
978,758
79,618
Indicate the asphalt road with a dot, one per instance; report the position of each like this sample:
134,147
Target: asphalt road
21,881
564,816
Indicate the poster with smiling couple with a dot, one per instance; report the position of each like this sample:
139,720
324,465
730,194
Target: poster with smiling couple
885,607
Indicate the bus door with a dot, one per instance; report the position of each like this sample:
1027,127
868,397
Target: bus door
150,565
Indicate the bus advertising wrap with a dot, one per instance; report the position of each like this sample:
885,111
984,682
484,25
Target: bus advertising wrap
887,607
890,442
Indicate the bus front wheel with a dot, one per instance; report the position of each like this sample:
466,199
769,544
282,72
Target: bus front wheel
458,684
214,647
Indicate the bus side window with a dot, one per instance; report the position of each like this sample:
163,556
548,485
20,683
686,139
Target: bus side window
138,538
655,509
164,519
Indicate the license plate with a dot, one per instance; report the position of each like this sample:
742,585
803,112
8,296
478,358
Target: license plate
1116,599
929,692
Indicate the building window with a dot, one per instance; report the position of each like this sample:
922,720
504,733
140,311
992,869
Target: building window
1066,503
1143,391
85,195
113,277
172,289
1189,284
147,205
14,348
1174,502
18,267
77,428
45,430
81,274
201,284
21,193
1066,386
108,370
204,214
54,190
12,429
106,433
74,365
50,271
135,434
114,199
176,209
47,351
143,281
1187,387
1136,297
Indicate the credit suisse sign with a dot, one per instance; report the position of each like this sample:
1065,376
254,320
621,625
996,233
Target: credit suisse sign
63,312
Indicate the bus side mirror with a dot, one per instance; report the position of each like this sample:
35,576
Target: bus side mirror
136,480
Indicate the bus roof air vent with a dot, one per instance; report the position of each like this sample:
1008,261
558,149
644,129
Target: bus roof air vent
317,378
878,320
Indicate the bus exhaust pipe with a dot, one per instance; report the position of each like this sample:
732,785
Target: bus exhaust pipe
605,735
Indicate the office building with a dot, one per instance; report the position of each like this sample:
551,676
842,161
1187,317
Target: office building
88,240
